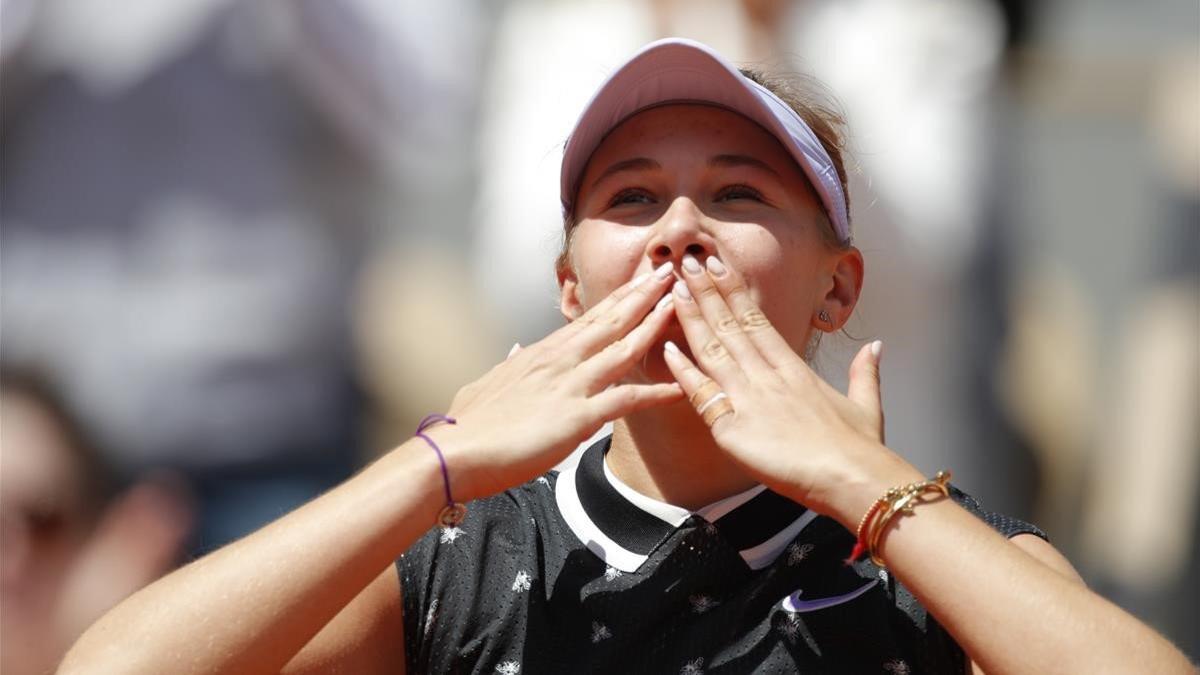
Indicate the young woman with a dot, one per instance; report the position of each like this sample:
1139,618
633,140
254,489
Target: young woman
707,245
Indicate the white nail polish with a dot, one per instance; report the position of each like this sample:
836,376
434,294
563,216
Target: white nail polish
663,271
682,290
876,349
714,266
515,348
663,302
670,346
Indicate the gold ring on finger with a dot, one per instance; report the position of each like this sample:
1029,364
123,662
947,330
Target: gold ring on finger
718,409
704,393
717,397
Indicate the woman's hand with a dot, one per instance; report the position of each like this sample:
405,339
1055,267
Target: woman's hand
789,428
531,410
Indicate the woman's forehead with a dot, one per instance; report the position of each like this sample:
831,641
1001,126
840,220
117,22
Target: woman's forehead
699,129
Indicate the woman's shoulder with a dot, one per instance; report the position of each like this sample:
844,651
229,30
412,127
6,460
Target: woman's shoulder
514,507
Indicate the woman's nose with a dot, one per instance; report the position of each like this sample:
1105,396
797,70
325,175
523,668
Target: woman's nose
681,230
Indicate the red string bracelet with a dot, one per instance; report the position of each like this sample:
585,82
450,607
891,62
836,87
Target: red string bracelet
453,513
861,543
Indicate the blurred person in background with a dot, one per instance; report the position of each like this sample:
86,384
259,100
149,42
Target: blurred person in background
71,544
1095,236
179,239
189,196
1157,371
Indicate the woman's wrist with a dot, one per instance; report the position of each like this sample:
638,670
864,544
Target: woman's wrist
432,449
851,494
410,477
467,475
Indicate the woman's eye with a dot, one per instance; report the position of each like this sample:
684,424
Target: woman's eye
739,192
630,196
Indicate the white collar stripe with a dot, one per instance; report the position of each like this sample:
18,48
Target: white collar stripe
714,511
592,536
623,527
669,513
765,553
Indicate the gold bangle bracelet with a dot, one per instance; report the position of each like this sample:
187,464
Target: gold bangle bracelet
903,504
899,501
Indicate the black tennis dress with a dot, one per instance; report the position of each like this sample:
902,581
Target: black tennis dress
577,573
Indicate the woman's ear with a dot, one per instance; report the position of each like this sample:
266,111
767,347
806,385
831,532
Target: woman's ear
843,290
569,302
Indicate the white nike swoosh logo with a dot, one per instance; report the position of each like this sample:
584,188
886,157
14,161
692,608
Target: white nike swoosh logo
794,604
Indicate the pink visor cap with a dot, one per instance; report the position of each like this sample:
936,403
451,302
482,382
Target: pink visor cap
678,70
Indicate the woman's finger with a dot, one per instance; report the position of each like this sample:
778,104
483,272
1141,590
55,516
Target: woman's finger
708,350
611,364
703,392
718,315
864,386
754,324
624,399
589,317
610,321
684,371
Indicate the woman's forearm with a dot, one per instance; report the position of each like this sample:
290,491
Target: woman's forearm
1011,612
252,605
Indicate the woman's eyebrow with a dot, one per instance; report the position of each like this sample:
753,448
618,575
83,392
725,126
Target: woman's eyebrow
729,161
632,164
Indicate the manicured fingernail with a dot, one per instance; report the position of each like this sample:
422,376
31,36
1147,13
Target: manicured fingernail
670,346
637,281
663,271
690,264
876,349
664,302
515,348
682,291
715,266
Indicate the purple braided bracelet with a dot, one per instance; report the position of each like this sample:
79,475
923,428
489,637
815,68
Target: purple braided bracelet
454,512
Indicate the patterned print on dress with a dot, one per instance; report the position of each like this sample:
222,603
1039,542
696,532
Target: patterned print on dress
790,627
509,668
897,667
449,534
709,528
693,667
544,481
600,632
798,552
522,582
431,615
611,573
701,603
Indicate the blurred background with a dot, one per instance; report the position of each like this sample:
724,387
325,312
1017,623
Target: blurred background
246,245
